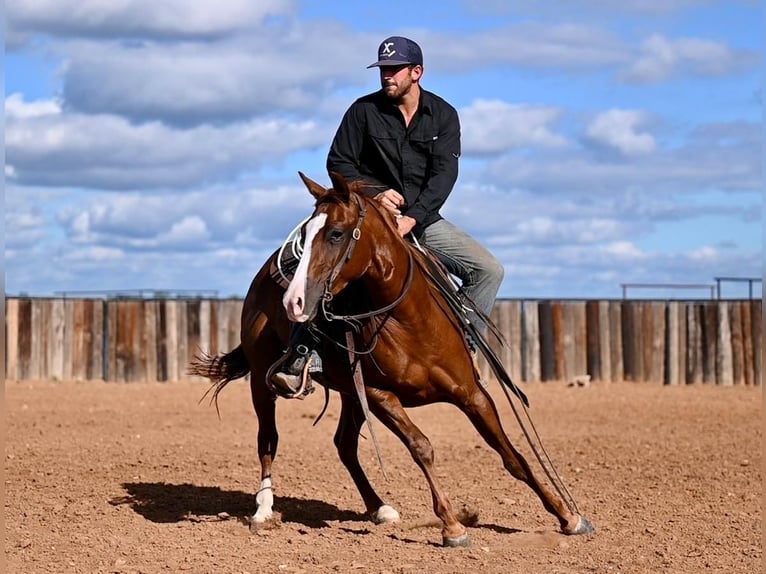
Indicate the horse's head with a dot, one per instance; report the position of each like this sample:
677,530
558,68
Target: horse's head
332,254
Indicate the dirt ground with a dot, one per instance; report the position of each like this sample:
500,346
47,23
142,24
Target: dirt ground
107,478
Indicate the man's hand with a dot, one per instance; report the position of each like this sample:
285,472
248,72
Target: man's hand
391,199
405,224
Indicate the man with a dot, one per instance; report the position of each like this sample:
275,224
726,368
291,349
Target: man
403,143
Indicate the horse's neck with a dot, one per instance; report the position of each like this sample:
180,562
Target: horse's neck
391,278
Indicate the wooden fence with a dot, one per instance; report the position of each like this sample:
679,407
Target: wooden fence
124,340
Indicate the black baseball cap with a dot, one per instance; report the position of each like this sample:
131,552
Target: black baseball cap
396,51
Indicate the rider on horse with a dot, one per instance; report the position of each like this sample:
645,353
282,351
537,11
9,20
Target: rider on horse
403,142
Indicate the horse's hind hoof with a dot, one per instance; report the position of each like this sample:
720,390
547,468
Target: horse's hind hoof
584,526
463,541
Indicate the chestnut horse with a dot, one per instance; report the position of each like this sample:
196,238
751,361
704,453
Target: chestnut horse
412,351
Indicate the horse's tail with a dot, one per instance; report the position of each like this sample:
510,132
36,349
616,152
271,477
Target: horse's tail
220,369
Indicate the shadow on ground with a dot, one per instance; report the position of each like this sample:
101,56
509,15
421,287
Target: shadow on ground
164,502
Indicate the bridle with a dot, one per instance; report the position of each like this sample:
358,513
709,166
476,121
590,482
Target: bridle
327,295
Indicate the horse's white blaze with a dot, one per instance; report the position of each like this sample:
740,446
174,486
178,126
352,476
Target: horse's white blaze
294,298
264,500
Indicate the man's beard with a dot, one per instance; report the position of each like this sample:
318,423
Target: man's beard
398,91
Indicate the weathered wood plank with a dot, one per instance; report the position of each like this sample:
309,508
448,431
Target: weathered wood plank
747,343
630,348
36,348
604,342
710,339
724,374
593,340
97,341
694,338
161,341
58,340
205,317
171,339
559,332
507,318
514,339
682,342
673,349
531,341
12,339
654,369
80,331
547,344
737,344
616,345
193,335
577,354
756,334
149,368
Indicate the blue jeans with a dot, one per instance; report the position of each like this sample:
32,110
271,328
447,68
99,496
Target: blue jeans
478,270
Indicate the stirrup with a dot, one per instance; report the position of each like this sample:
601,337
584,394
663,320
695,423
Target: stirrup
277,381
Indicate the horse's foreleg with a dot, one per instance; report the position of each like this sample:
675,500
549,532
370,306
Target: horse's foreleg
389,410
347,442
264,404
483,414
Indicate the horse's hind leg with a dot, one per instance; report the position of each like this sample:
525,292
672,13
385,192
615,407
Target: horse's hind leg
483,414
389,410
347,442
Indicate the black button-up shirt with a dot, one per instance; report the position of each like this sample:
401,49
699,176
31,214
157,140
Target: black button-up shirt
373,145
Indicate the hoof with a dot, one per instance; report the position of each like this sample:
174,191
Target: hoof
385,515
261,525
463,541
584,526
264,521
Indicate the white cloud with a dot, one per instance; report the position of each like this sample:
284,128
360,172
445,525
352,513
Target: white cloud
17,108
494,126
108,152
94,255
719,156
705,253
661,57
191,229
231,80
168,18
557,8
525,45
618,129
624,250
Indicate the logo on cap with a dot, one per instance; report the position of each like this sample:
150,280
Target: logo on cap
387,52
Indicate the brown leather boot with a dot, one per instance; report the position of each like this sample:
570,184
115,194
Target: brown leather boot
290,376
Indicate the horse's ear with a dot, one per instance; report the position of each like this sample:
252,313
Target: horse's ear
340,185
314,188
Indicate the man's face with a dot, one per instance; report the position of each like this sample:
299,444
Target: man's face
397,81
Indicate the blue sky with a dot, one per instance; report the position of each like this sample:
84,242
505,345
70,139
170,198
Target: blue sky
156,144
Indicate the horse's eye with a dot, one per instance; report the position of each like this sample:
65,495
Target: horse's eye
335,236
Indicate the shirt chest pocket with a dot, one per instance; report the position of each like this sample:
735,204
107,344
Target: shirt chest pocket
386,145
423,144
